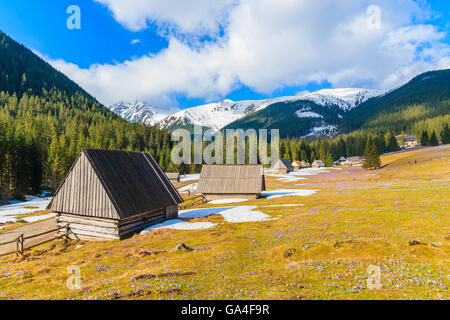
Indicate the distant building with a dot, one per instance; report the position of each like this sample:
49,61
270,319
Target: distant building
173,176
318,164
283,166
237,181
407,141
113,194
353,162
297,165
305,165
410,141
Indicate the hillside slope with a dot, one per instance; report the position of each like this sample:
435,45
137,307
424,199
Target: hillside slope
311,247
422,103
317,114
46,119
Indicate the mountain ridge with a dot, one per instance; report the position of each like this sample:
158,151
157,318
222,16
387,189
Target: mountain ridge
221,114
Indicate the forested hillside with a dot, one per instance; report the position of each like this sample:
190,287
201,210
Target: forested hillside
45,120
284,116
421,104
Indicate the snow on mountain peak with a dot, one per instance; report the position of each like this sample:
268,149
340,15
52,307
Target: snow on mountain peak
220,114
346,99
138,111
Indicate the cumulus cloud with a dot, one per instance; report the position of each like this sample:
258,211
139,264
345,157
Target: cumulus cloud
193,16
265,45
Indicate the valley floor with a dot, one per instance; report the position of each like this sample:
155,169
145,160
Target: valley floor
313,245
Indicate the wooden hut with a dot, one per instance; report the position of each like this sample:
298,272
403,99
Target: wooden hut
318,164
236,181
283,166
305,165
353,162
173,176
297,165
113,194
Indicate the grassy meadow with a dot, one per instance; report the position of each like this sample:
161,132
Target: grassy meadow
397,218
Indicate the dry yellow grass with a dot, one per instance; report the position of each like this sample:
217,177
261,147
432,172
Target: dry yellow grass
356,219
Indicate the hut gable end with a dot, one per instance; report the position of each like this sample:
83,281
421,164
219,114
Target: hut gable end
83,193
114,185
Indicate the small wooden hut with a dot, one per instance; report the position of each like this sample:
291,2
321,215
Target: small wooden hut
297,165
305,165
283,166
113,194
318,164
173,176
353,162
237,181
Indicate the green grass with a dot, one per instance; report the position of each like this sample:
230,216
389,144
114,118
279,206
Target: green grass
358,218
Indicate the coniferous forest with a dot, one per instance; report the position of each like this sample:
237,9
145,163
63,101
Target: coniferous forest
46,119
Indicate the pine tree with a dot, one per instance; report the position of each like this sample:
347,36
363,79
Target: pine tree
445,134
433,139
424,140
329,160
371,157
392,144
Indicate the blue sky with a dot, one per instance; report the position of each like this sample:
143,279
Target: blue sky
192,60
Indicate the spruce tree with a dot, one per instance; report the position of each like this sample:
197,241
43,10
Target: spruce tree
424,140
445,134
329,159
433,139
371,156
392,144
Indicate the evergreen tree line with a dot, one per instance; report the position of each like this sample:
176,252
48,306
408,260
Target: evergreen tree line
330,150
41,136
353,144
427,140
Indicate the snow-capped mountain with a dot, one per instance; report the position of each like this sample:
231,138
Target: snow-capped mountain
345,99
219,115
138,111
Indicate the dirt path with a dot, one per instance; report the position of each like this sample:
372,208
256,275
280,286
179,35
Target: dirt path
27,230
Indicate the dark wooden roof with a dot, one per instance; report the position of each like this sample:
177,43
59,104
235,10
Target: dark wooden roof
231,179
114,184
283,164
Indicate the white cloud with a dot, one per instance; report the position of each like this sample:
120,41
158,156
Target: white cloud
193,16
135,41
266,45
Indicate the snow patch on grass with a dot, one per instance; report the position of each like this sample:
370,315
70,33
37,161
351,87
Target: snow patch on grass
288,192
192,188
39,218
177,224
11,212
233,214
190,177
225,201
297,174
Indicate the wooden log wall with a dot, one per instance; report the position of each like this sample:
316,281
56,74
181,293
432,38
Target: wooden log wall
88,228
